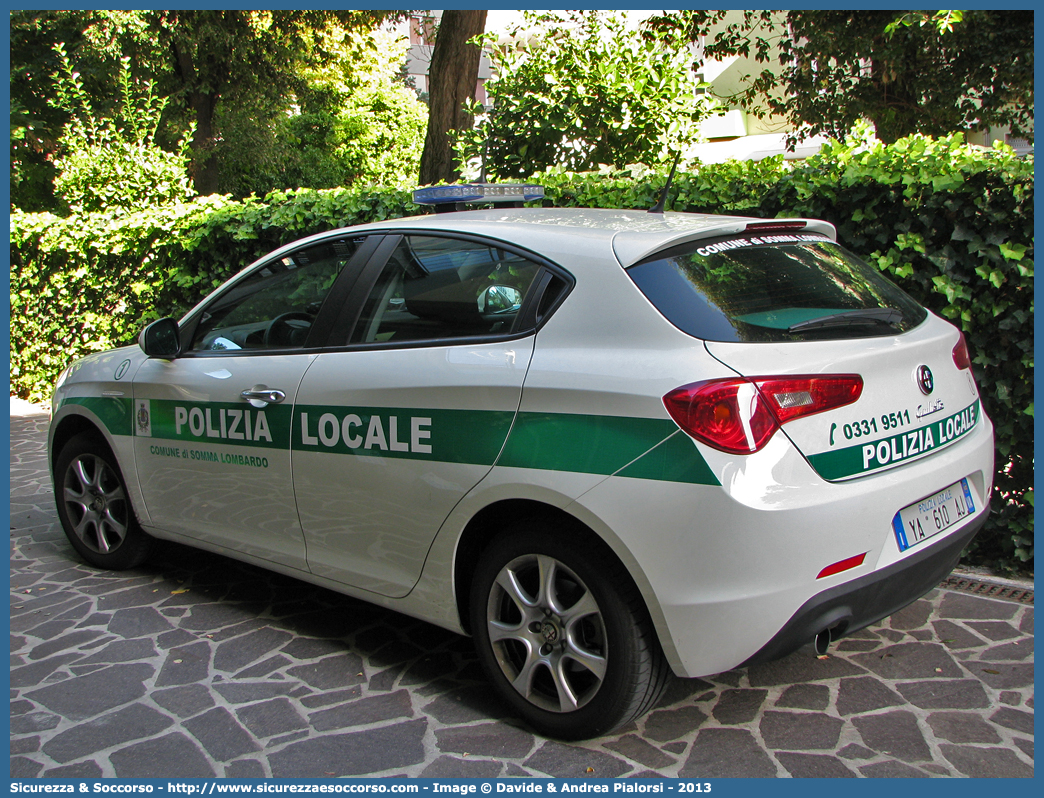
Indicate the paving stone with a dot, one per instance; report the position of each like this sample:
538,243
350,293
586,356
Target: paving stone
986,763
307,648
234,655
135,722
679,690
634,747
961,605
25,745
143,595
962,727
22,767
174,638
488,739
854,751
330,673
892,770
428,668
846,645
73,639
954,636
950,694
32,722
738,706
572,762
800,731
244,769
727,753
465,705
1002,675
173,756
1026,746
184,701
364,711
81,770
327,698
21,707
450,767
670,724
37,672
864,694
805,696
1014,719
87,696
138,622
1026,624
276,716
353,754
1016,650
911,661
800,667
995,630
1011,697
938,770
913,616
185,665
221,735
264,667
895,733
122,651
245,693
814,766
675,748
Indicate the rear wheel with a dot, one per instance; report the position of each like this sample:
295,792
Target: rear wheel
94,507
563,634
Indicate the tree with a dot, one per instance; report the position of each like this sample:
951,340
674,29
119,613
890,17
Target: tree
906,72
452,78
113,163
218,68
585,89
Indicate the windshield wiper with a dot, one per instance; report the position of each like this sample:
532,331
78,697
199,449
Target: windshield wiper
850,318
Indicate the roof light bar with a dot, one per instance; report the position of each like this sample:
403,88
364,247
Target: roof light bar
477,193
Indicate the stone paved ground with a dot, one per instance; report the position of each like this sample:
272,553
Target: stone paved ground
198,666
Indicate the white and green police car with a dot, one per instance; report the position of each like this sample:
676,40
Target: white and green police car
608,444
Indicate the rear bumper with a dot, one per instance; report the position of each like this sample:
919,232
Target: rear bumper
854,605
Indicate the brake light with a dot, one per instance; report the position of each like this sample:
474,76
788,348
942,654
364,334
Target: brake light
961,355
740,416
769,226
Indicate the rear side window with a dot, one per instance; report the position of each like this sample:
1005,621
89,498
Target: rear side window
744,289
436,288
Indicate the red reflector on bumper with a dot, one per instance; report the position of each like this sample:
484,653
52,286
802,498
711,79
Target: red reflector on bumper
843,565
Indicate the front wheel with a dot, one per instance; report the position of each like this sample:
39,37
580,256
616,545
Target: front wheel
94,507
563,634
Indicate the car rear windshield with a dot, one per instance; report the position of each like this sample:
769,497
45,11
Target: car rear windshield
793,287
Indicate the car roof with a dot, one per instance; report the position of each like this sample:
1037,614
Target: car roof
632,234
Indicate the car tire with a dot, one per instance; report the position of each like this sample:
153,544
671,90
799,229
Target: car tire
94,507
563,634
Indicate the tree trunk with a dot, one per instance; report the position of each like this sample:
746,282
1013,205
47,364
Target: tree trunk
202,167
452,78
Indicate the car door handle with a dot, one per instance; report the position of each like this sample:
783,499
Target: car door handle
259,396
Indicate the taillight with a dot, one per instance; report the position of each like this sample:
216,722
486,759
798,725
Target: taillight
740,416
961,356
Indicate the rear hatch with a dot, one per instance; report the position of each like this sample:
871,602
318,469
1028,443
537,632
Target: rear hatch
800,306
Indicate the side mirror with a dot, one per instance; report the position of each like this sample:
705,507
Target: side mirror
499,298
161,339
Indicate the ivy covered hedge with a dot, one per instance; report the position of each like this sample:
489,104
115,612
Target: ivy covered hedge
952,224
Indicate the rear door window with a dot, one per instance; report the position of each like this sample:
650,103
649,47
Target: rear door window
804,287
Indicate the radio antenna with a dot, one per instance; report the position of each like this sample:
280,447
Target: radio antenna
659,206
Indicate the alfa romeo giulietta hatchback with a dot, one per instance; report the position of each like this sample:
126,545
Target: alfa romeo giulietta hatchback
607,444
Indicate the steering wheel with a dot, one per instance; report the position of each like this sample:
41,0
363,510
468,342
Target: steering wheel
288,329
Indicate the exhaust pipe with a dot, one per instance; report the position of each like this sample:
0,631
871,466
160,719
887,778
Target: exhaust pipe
821,642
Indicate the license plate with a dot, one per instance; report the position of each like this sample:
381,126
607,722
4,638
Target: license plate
932,515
